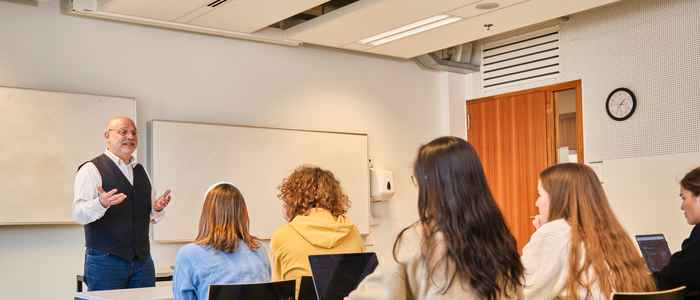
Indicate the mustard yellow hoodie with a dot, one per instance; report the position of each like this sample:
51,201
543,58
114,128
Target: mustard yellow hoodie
318,232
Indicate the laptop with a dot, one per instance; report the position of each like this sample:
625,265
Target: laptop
336,275
655,250
278,290
307,290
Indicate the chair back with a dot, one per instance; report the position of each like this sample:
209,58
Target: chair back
278,290
674,294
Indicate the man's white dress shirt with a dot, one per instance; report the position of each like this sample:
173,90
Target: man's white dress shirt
86,202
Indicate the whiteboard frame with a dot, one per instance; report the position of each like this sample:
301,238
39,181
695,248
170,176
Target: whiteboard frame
150,162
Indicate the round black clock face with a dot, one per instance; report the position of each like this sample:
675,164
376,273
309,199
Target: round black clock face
621,104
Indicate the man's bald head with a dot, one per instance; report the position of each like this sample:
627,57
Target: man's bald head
121,137
116,122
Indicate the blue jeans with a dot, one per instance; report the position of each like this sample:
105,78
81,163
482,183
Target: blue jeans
104,271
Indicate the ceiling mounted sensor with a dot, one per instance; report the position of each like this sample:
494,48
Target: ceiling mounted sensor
458,59
487,5
410,29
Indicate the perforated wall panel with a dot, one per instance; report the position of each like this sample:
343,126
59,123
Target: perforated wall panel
651,47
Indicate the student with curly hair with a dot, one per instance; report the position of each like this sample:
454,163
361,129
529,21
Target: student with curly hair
314,204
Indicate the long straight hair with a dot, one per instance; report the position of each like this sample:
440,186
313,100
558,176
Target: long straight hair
577,196
224,220
454,199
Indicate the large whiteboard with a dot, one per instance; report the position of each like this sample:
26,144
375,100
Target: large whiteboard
644,193
45,137
188,157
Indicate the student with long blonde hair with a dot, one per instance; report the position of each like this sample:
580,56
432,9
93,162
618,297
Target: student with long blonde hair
224,251
580,250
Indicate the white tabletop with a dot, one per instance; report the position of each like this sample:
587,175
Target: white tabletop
162,292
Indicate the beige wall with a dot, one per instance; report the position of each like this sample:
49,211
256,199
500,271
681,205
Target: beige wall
189,77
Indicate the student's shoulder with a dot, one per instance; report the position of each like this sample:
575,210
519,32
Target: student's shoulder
281,234
557,231
190,249
282,230
409,240
559,226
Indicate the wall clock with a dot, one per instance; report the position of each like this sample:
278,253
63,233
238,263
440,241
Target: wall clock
621,104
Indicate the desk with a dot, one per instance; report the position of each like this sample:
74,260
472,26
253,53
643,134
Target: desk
162,274
164,292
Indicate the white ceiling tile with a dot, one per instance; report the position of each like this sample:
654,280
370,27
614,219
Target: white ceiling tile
166,10
366,18
251,15
503,20
470,11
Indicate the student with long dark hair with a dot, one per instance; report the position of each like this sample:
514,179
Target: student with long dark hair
460,248
580,250
684,266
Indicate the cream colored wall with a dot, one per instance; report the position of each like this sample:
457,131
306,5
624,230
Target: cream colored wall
189,77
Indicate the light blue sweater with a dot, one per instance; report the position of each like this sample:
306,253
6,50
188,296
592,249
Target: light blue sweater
197,267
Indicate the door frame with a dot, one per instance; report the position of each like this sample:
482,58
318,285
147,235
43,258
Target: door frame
552,117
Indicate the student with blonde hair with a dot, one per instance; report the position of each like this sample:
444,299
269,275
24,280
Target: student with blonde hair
314,204
224,251
580,250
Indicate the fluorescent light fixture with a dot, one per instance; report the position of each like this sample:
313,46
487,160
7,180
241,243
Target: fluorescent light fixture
410,29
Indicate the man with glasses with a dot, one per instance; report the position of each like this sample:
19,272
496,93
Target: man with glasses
114,199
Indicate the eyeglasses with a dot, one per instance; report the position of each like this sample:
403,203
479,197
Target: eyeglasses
124,132
415,181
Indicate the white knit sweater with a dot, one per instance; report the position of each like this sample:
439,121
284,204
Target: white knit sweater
546,262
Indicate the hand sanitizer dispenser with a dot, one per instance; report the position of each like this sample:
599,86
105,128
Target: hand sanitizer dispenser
381,184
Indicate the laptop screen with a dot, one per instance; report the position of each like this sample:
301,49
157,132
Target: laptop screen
278,290
336,275
655,250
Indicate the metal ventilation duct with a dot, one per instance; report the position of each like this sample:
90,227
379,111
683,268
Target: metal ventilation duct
457,59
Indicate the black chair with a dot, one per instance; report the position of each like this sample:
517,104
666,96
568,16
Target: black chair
674,294
278,290
307,290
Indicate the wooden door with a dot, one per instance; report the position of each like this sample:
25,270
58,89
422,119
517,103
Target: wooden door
510,134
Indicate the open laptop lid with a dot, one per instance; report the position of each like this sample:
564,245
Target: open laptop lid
278,290
336,275
655,250
307,290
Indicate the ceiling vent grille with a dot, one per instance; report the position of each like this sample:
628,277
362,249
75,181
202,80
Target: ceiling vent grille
521,59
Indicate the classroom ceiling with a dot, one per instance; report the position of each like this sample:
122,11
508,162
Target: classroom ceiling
348,22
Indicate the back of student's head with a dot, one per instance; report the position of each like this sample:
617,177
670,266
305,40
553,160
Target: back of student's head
455,200
224,221
312,187
577,196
